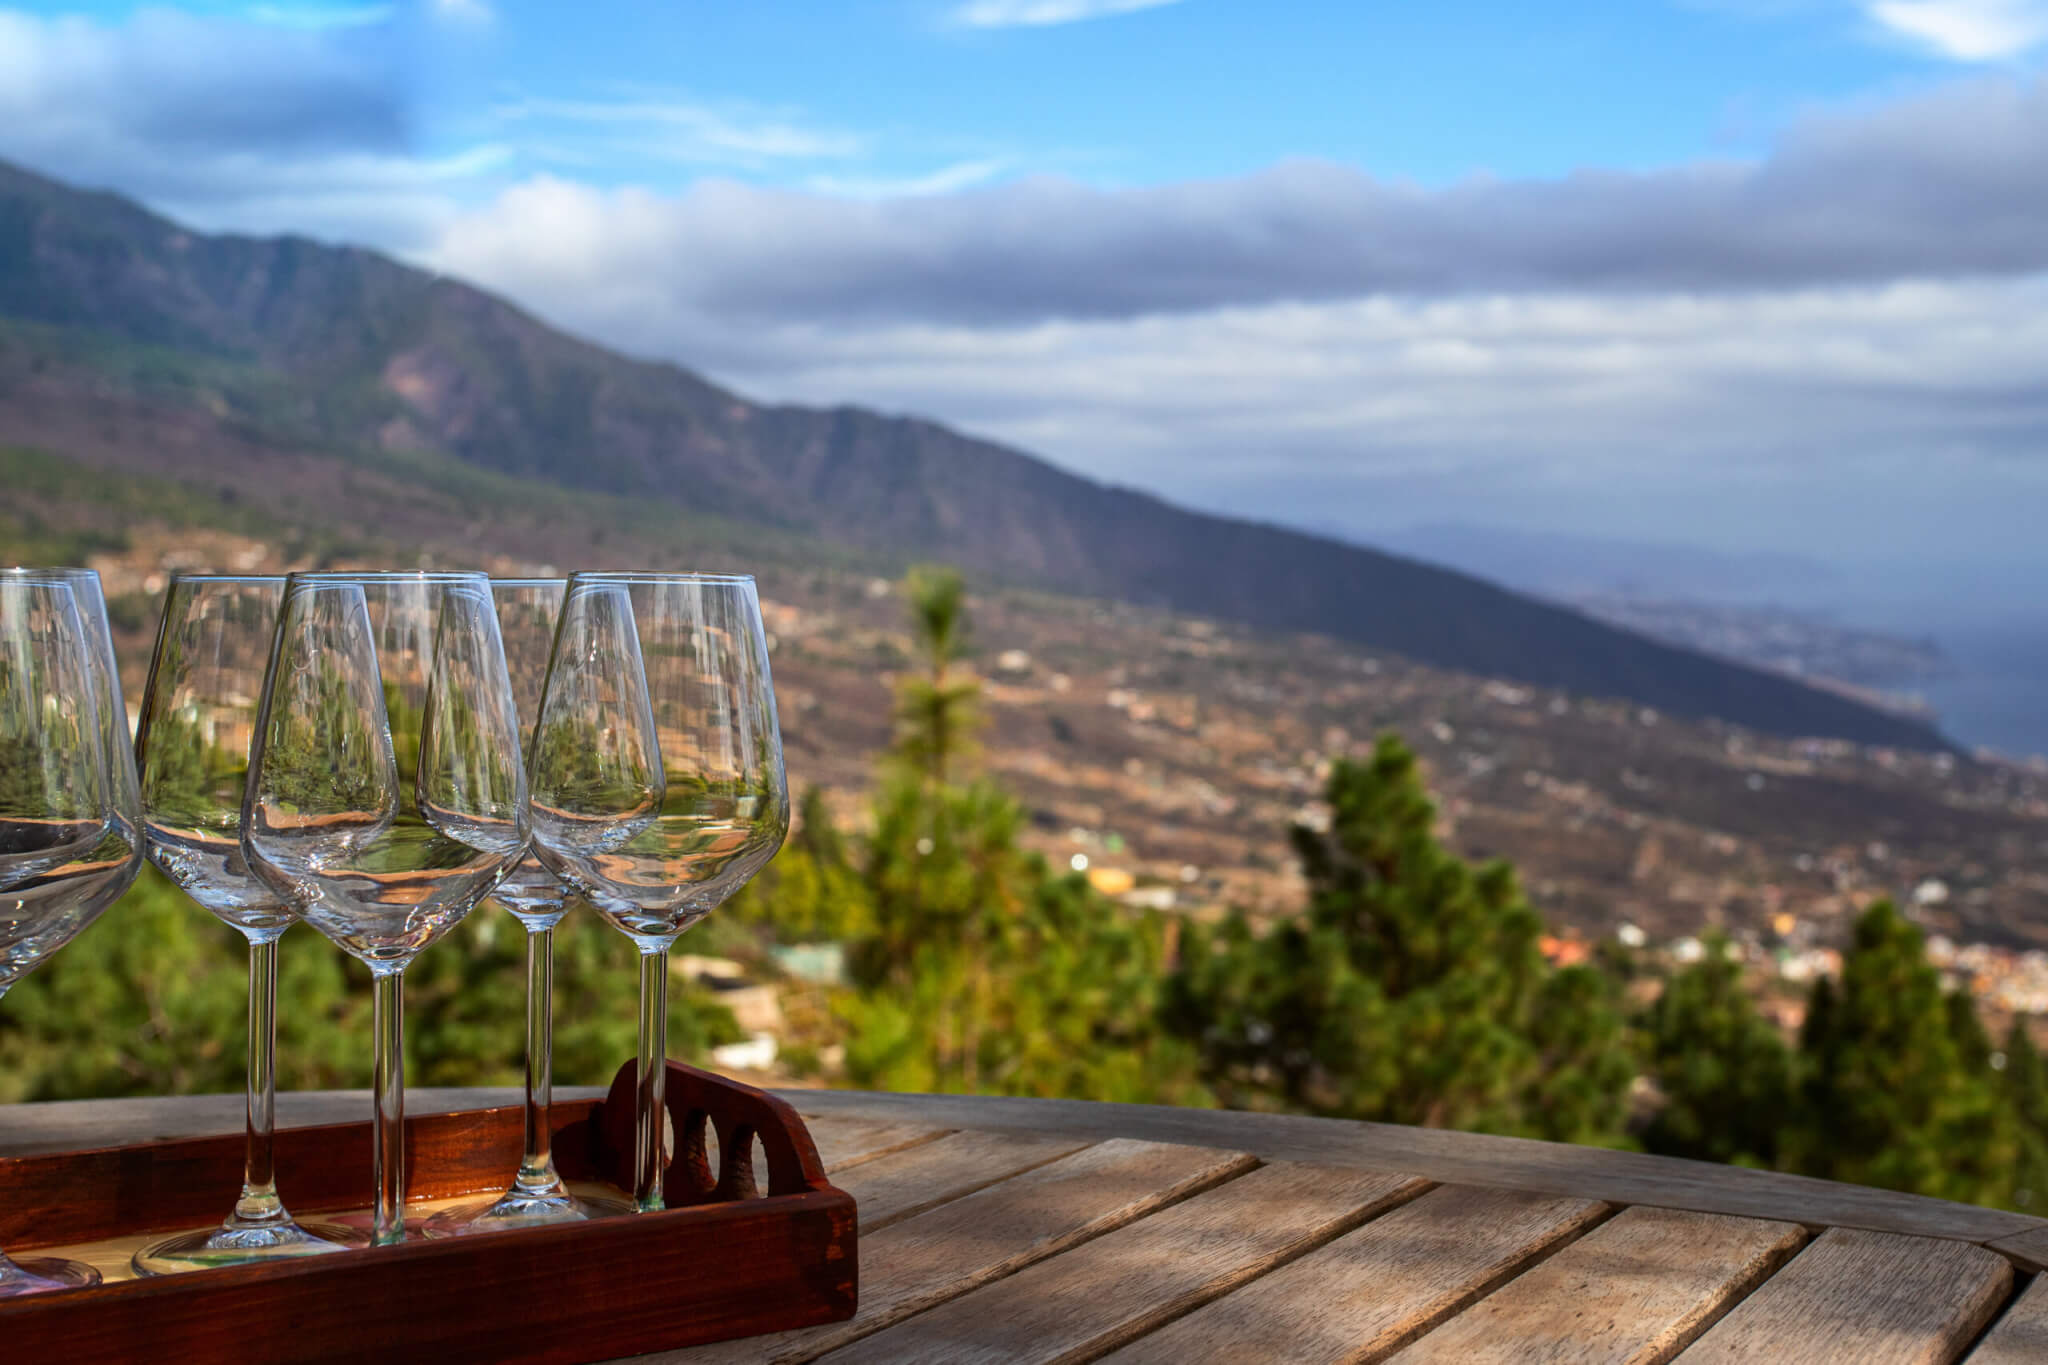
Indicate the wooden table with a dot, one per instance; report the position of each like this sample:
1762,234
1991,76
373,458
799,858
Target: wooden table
1044,1230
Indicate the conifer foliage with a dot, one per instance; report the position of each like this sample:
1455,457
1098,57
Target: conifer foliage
1894,1082
972,966
1724,1072
1896,1086
1412,991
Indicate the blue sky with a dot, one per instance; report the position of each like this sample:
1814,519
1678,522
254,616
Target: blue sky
1748,273
898,94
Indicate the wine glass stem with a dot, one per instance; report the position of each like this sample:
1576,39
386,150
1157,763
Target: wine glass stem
387,1144
652,1115
259,1205
537,1165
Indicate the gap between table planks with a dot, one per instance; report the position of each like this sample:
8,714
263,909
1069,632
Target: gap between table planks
935,1256
1456,1246
2021,1336
1371,1290
1870,1297
1124,1283
1633,1291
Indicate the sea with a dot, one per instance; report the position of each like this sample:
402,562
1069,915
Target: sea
1994,692
1991,624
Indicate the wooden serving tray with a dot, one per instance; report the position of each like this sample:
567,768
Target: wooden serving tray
725,1259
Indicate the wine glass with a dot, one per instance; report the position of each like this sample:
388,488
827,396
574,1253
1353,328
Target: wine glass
527,612
192,753
67,815
70,895
656,787
386,796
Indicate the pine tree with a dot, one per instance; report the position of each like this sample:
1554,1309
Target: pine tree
979,970
2026,1091
1725,1074
1412,991
1896,1089
937,709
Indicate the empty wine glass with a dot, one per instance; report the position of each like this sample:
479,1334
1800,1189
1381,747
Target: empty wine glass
70,895
527,612
67,814
192,753
656,782
386,794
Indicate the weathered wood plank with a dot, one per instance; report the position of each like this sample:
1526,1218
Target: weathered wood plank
1119,1286
2029,1248
844,1143
936,1256
904,1183
1457,1158
2021,1336
1864,1298
1634,1291
1371,1290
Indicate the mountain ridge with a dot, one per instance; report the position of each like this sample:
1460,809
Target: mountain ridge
369,353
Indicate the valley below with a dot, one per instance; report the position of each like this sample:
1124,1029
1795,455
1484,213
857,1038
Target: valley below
1168,755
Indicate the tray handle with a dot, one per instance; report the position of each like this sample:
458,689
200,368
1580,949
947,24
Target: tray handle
740,1115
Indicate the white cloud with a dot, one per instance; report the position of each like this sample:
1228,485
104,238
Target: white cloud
1843,418
1844,345
232,122
1966,30
1950,184
945,180
180,80
1043,13
682,130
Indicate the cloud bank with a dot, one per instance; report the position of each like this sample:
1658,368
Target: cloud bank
1952,184
305,121
1843,345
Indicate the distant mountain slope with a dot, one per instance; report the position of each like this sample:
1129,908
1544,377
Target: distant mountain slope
362,353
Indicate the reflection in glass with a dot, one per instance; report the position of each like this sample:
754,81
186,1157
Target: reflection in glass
68,817
386,793
56,905
192,753
527,612
657,786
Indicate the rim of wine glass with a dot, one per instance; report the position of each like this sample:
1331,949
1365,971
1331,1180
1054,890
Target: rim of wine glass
180,576
497,582
65,572
650,576
390,575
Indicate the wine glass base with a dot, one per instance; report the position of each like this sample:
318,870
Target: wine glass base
42,1274
515,1209
210,1247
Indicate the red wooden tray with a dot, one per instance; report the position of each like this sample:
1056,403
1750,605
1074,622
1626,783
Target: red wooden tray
723,1260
